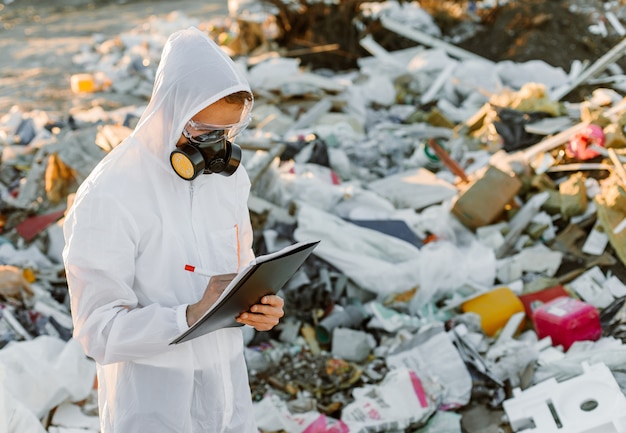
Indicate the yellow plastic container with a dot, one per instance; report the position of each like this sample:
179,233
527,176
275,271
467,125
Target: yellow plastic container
495,308
89,83
83,83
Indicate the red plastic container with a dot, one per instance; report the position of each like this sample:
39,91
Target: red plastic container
534,300
567,320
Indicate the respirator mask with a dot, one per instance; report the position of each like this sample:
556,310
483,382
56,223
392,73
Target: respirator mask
209,149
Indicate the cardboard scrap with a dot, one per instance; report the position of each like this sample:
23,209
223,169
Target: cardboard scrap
484,200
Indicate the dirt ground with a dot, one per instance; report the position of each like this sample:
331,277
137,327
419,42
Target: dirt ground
38,39
555,31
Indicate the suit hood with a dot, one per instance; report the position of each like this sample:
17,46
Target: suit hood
193,73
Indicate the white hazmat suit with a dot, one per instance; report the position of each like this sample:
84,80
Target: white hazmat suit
133,227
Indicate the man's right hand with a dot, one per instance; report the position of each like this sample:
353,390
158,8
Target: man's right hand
214,289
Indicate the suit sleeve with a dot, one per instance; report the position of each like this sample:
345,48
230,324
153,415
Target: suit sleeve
99,258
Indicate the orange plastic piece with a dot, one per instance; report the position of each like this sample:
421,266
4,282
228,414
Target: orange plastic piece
495,308
29,275
83,83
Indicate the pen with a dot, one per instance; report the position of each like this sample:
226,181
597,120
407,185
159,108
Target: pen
198,270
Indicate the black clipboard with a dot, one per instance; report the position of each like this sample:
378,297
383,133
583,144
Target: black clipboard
266,275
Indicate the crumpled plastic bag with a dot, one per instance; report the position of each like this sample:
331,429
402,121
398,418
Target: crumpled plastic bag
444,267
46,371
366,256
401,400
14,416
432,352
510,125
273,414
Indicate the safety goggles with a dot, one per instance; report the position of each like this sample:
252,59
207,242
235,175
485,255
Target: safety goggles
206,133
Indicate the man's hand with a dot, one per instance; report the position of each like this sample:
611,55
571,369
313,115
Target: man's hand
264,316
214,289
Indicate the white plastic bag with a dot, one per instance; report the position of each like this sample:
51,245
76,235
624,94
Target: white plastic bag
399,401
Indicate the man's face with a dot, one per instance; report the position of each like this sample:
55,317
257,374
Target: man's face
220,113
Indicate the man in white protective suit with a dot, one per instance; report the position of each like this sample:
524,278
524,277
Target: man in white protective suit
173,193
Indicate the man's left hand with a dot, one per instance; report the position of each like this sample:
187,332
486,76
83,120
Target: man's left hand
265,315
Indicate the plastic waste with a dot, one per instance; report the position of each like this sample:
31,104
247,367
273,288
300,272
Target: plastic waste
495,308
401,399
89,83
580,145
14,415
591,402
567,320
349,317
25,131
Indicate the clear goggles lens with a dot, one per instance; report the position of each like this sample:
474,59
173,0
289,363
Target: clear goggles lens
206,136
206,133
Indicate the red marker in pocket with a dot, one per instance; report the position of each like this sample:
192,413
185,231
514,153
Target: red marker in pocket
197,270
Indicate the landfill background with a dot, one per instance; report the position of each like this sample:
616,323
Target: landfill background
461,163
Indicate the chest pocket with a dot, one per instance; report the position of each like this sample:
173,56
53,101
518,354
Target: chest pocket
222,254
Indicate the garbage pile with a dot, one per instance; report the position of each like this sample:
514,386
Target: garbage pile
470,274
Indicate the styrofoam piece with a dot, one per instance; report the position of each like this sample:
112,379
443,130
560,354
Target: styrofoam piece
589,403
544,343
615,286
550,354
431,93
375,49
596,241
512,326
351,344
590,287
